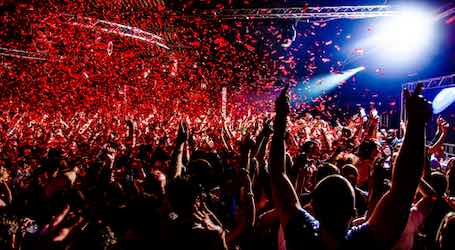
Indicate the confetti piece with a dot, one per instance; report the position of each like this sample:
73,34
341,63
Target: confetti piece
110,48
359,51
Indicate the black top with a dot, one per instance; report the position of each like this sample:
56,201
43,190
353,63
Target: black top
302,232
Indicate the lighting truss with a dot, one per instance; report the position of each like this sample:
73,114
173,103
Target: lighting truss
157,4
433,83
31,55
119,29
324,13
446,13
446,81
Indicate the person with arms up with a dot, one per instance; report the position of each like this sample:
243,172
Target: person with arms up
333,199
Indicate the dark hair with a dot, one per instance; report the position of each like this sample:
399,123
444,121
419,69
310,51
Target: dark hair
366,149
325,170
308,146
182,193
446,234
202,173
451,176
351,173
438,182
349,169
333,202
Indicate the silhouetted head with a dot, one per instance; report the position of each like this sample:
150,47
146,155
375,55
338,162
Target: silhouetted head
155,184
350,172
333,203
445,239
202,172
325,170
346,158
439,183
311,149
451,176
182,193
368,149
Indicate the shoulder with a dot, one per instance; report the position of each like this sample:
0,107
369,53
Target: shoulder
358,233
301,229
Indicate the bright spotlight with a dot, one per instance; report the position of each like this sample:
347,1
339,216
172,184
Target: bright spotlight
404,36
443,100
321,85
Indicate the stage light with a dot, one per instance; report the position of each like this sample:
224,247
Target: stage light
404,37
323,84
408,32
443,100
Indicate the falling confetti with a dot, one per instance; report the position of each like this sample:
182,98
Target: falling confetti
110,48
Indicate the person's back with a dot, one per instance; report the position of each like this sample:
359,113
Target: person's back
431,224
333,198
445,239
333,203
440,207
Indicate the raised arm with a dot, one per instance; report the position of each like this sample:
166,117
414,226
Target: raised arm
283,194
7,192
264,138
391,213
131,136
176,167
441,134
372,127
246,215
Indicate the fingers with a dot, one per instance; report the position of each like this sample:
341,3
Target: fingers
58,219
284,92
418,90
406,93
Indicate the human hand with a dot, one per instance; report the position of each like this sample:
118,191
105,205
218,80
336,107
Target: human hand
247,143
417,107
182,134
282,102
267,127
204,218
442,124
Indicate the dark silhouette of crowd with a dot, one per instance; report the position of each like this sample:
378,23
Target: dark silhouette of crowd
264,181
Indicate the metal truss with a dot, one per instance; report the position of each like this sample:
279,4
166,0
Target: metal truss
433,83
119,29
446,13
330,13
156,4
446,81
31,55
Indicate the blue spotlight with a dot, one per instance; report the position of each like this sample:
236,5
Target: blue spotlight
443,100
321,85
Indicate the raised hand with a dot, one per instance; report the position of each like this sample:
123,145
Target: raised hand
282,102
247,143
443,125
267,127
203,218
417,107
245,180
182,134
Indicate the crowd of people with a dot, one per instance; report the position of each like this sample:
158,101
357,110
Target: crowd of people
277,180
108,142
